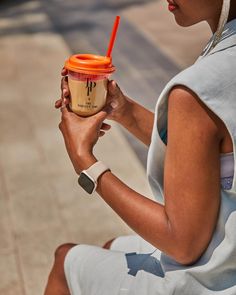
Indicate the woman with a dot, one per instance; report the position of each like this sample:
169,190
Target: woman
186,242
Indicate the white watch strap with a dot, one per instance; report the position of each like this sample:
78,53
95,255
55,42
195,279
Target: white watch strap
96,170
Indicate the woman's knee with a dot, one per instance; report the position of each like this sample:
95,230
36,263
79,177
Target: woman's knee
57,283
108,244
62,250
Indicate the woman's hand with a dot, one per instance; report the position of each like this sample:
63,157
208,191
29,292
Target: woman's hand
134,117
118,101
65,92
115,98
81,134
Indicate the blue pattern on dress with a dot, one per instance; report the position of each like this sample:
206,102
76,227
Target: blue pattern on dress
226,182
145,262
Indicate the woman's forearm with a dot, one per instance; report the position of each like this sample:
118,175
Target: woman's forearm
146,217
138,120
143,215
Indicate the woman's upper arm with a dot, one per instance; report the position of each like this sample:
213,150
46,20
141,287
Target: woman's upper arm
191,173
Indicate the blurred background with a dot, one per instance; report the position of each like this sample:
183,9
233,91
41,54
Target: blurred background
41,205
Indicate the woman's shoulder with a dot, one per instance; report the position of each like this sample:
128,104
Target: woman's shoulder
214,70
184,104
218,66
212,80
210,77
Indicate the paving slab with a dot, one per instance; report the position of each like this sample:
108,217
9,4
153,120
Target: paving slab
11,282
6,241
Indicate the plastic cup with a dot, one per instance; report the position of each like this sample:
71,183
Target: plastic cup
88,77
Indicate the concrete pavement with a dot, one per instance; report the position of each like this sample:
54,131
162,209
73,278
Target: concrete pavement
41,205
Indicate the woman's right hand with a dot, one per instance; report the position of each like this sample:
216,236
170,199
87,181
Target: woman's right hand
115,98
65,92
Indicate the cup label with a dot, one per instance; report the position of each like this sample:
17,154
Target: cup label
87,96
90,85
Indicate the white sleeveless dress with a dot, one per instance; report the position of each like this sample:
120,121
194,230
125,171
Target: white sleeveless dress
135,267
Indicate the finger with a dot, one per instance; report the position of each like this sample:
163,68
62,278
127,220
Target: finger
64,72
64,82
113,88
105,126
101,133
65,87
65,108
60,126
67,101
114,104
113,93
65,94
101,116
58,103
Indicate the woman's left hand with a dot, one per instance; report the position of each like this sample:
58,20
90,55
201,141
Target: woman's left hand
81,134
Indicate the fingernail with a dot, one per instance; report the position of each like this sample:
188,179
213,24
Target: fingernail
114,104
108,109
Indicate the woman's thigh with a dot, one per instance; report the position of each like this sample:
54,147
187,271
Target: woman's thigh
93,270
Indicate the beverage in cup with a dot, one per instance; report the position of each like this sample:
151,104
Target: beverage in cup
88,78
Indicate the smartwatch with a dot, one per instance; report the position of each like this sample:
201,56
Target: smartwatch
88,178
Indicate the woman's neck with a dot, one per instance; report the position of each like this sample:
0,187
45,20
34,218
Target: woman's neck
213,23
232,12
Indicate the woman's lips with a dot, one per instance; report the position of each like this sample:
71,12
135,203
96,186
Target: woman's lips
172,5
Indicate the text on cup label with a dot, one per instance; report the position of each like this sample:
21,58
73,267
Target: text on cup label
90,85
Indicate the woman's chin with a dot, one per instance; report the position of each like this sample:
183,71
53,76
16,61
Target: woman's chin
184,23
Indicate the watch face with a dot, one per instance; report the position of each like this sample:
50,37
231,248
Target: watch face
86,183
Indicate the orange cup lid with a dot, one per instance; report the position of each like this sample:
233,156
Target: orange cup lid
90,64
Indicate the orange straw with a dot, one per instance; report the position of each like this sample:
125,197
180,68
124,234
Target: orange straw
113,36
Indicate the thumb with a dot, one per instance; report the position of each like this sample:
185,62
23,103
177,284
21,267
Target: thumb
101,116
64,72
113,88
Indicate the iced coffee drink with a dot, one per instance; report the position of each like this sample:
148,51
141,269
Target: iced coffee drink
88,77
